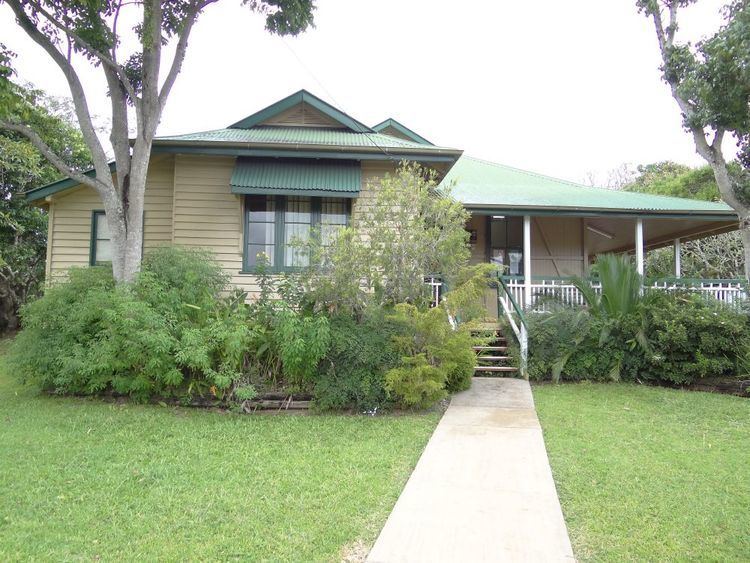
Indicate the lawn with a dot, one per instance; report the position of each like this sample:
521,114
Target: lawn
646,473
83,480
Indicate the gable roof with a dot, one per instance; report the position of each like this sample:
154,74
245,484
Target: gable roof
401,128
60,185
480,184
303,96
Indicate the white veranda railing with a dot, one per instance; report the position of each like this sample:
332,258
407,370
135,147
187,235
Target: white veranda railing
548,293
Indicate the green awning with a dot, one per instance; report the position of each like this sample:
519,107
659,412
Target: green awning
330,178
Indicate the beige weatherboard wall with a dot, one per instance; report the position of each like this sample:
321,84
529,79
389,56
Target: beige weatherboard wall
188,202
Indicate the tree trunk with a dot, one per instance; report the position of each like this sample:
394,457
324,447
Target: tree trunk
745,232
729,195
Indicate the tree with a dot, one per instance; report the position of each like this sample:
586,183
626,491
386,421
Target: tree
409,230
719,256
87,30
23,228
710,81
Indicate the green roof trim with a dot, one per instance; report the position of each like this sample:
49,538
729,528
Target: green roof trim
297,98
338,178
302,136
403,129
480,184
60,185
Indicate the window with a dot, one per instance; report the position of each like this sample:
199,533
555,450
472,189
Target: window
260,232
506,244
101,245
273,224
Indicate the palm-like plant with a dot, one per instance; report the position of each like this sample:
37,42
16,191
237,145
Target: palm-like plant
621,287
621,296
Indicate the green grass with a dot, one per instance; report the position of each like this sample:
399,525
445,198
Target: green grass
645,473
82,480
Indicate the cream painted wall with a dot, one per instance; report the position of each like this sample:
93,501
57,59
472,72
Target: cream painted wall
188,202
69,227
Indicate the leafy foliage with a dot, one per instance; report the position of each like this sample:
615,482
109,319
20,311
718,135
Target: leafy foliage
665,337
352,373
434,357
171,333
23,228
409,231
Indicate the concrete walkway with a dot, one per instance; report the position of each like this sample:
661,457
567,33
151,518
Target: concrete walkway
483,489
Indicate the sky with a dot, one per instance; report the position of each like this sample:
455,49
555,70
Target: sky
568,89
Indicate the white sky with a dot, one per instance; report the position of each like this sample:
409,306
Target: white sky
561,88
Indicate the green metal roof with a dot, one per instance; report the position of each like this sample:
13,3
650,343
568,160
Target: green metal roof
298,135
483,184
401,128
52,188
340,178
298,98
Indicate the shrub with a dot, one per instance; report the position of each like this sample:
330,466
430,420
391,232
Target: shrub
694,338
180,281
688,337
86,336
352,373
425,339
410,229
416,383
162,336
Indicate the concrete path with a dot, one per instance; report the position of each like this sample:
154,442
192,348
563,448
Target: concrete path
482,490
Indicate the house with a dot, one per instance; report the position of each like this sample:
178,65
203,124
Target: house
300,163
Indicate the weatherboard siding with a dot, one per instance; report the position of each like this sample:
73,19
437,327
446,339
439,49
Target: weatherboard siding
69,229
207,215
372,173
302,115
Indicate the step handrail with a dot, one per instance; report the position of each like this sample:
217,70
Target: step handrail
520,332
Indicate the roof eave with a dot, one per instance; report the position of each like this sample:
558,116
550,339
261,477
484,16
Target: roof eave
57,186
702,214
165,145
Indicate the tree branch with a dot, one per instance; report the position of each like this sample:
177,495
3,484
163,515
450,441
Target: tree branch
52,156
74,84
180,51
106,60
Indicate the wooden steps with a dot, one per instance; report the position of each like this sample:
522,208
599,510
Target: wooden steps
492,360
509,369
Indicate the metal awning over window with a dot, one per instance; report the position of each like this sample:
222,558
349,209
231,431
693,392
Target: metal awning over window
325,178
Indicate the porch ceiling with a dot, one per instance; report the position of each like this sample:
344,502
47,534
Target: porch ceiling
657,232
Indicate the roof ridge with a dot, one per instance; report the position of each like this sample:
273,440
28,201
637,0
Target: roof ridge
598,188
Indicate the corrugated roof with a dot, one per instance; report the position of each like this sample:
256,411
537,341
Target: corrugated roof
341,178
402,129
482,183
299,135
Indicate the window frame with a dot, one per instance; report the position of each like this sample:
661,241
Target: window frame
92,241
279,245
95,213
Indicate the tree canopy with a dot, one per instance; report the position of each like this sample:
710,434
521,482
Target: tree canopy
23,228
710,81
139,82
